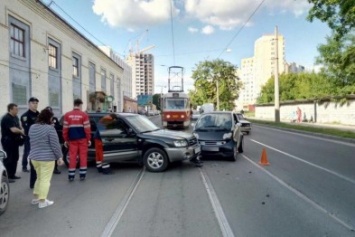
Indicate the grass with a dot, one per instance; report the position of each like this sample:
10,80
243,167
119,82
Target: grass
308,128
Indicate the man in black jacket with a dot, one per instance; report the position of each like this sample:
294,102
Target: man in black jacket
11,132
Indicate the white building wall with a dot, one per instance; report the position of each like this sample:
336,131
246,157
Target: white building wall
44,24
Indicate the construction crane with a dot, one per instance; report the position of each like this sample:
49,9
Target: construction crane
136,51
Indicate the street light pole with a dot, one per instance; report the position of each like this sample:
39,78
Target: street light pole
276,82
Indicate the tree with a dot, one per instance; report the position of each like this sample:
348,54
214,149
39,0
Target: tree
205,77
298,87
156,100
338,54
338,14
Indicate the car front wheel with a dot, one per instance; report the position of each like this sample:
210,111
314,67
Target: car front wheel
155,160
4,194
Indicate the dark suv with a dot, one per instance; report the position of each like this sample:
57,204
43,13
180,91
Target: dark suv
135,137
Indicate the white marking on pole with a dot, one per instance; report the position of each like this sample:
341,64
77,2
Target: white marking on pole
117,215
307,162
221,218
302,196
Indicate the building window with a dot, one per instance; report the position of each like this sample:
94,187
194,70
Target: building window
52,56
19,94
17,40
75,66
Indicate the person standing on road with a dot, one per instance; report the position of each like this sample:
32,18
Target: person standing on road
11,135
45,150
77,135
104,122
27,120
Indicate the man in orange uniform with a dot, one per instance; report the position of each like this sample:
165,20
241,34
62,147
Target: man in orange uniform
104,123
77,135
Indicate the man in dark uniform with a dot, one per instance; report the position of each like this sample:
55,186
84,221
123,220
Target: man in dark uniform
27,119
11,133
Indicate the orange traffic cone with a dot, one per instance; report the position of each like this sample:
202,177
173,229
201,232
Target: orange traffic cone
263,160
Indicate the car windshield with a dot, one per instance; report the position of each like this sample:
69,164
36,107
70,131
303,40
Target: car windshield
141,123
215,121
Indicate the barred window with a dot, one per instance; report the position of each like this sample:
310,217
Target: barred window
52,56
17,44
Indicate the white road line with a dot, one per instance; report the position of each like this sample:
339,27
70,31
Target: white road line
302,196
307,162
111,225
222,220
312,136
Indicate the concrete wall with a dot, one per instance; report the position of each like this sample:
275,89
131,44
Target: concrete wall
327,112
45,24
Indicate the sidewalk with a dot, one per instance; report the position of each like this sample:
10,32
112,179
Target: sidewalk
320,125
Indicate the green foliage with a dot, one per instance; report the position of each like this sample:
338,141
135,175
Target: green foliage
338,14
156,100
206,76
298,87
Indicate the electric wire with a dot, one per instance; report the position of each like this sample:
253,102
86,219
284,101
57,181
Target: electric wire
241,28
172,29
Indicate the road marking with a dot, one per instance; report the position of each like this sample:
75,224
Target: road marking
312,136
307,162
117,215
222,220
302,196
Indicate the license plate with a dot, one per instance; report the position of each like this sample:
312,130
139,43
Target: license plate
197,150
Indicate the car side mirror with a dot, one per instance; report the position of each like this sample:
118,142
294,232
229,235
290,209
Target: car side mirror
2,155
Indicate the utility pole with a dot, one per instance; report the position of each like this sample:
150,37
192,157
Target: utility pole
217,94
276,82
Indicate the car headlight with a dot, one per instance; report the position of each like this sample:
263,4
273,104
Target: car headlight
227,136
168,116
180,143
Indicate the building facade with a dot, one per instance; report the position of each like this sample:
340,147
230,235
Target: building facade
44,56
142,74
257,70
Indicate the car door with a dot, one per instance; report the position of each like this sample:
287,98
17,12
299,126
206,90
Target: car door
119,142
236,130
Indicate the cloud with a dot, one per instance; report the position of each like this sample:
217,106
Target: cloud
192,30
133,14
224,14
207,30
228,14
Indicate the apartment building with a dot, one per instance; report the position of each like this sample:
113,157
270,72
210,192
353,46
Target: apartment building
142,73
257,70
42,55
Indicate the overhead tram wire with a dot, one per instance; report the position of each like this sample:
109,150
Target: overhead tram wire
172,29
241,28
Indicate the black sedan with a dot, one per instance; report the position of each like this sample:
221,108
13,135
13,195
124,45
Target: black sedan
219,134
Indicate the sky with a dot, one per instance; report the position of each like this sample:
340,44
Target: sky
186,32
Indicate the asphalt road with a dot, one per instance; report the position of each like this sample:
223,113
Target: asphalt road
307,190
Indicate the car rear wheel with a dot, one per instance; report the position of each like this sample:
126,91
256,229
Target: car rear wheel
155,160
4,194
235,154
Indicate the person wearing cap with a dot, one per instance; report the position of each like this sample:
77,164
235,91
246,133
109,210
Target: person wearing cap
27,120
77,135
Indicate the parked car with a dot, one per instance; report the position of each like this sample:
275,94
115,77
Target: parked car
246,125
4,182
135,138
219,134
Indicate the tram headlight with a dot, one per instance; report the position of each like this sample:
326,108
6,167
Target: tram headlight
182,116
168,116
